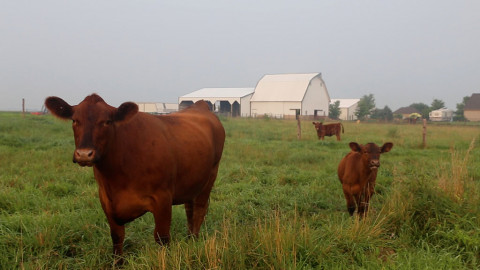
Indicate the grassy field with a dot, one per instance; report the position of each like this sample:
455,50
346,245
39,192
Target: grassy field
277,202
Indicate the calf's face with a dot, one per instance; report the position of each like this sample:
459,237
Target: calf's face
318,125
93,123
371,153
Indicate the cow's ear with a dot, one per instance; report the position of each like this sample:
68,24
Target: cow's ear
387,147
355,147
59,107
125,112
313,123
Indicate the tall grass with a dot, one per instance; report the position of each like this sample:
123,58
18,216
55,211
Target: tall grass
277,203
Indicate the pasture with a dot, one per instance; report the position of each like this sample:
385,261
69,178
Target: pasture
277,202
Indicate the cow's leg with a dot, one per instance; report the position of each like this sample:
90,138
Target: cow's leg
338,136
189,212
117,232
162,213
349,199
200,204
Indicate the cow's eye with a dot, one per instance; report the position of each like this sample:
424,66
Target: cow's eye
75,122
107,123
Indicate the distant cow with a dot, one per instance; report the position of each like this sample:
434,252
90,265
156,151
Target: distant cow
328,130
357,172
145,163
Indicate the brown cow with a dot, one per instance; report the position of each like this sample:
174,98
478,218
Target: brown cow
328,130
144,163
357,172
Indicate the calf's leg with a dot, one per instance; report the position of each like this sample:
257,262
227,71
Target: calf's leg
350,201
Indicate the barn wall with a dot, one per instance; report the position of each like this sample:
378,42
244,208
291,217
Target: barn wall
245,105
343,114
316,98
472,115
147,107
348,113
274,109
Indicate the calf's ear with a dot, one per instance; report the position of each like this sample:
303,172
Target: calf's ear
125,112
387,147
59,108
355,147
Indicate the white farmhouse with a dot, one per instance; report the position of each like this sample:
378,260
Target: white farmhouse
348,107
229,101
290,95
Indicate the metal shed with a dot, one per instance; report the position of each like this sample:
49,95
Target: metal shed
229,101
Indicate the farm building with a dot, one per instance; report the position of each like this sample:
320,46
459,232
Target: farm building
471,111
441,115
157,107
229,101
348,107
290,95
405,112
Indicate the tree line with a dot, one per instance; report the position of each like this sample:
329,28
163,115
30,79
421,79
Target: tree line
367,109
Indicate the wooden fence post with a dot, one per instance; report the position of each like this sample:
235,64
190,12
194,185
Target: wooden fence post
299,129
424,133
23,107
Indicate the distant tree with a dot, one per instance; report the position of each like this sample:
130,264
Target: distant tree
423,108
437,104
459,115
384,114
366,105
334,110
387,114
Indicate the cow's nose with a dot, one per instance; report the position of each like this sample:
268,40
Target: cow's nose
84,156
375,163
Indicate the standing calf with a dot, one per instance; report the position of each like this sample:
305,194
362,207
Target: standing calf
357,172
328,130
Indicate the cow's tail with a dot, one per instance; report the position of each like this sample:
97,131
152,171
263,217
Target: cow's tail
343,131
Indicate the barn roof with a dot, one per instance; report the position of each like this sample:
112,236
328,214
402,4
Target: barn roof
406,110
473,103
346,103
220,93
283,87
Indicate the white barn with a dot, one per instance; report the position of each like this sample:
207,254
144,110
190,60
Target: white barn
229,101
348,107
290,96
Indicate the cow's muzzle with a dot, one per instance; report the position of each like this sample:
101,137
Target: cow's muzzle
84,157
374,164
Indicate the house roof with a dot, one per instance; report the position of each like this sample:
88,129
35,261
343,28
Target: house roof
283,87
406,110
346,103
473,103
220,93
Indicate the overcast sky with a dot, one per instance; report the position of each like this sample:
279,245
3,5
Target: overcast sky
402,52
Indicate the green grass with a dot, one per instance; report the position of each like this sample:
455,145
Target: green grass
277,202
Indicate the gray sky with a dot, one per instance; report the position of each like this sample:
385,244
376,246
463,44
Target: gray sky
402,52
